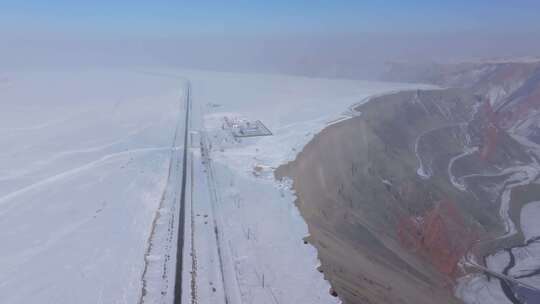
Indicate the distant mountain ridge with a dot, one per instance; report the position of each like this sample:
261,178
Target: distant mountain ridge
511,86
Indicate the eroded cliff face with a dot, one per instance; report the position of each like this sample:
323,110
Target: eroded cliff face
396,198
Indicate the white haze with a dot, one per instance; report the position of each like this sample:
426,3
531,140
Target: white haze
322,55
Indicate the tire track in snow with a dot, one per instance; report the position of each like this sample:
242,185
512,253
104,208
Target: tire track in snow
68,153
73,172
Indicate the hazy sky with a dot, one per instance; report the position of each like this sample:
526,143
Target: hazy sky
344,38
166,17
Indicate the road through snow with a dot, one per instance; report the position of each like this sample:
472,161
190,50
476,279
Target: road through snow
162,278
93,177
181,218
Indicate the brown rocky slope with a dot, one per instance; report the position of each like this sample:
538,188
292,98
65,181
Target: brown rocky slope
382,193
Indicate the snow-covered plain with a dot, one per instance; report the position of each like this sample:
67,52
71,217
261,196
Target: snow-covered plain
84,167
83,164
